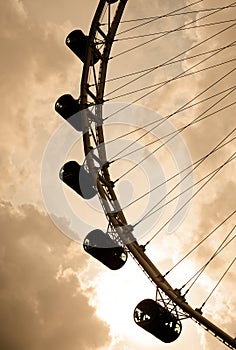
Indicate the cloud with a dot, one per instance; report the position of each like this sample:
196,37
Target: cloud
35,68
42,304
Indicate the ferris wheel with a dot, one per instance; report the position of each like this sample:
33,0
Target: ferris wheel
162,316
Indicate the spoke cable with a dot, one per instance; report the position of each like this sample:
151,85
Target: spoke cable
213,172
164,118
180,109
177,174
222,246
150,92
150,20
170,15
172,31
169,63
186,126
196,164
232,157
198,244
180,129
227,270
180,76
174,133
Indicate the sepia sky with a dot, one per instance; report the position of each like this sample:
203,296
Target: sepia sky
52,295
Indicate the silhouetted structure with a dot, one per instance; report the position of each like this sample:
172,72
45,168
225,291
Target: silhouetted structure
77,178
157,320
78,42
68,108
103,248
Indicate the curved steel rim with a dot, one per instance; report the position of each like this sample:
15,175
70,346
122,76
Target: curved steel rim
105,187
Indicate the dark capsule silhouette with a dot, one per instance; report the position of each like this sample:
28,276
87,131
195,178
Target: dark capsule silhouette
103,248
78,42
77,178
70,110
157,320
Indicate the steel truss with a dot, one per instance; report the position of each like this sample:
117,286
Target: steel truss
91,95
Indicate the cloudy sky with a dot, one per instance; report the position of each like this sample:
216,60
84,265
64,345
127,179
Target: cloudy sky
53,295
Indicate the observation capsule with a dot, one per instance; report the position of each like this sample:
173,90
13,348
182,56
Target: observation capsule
69,109
103,248
78,42
76,177
157,320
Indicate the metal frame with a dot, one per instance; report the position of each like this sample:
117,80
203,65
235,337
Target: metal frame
110,204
